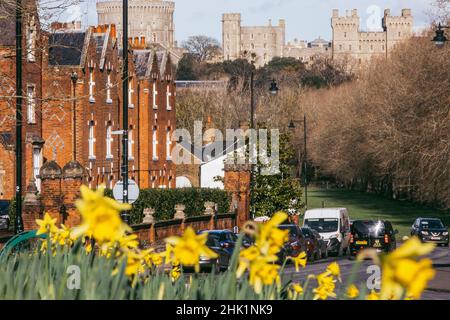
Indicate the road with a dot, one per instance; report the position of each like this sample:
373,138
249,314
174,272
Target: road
439,287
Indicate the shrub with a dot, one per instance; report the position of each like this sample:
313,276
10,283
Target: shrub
164,201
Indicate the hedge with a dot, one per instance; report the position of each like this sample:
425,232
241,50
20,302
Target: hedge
164,201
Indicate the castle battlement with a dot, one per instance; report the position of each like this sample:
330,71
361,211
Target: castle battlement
350,41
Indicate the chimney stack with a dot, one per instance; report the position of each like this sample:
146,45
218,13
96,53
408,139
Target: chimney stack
113,31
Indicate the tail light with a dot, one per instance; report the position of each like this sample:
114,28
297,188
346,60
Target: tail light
351,238
225,245
386,238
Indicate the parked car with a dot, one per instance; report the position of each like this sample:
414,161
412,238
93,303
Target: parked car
4,214
377,234
333,225
312,243
296,243
223,259
430,230
227,239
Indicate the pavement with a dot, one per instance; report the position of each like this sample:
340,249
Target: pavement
438,288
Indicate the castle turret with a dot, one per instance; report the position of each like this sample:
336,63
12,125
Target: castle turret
345,32
231,35
398,28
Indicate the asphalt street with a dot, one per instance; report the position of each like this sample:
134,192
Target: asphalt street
439,288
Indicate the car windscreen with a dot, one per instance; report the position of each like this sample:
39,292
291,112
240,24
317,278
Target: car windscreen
293,231
212,241
431,224
323,225
369,228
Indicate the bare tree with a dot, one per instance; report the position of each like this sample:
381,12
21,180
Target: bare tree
203,48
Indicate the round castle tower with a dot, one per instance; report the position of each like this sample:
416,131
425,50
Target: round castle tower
149,20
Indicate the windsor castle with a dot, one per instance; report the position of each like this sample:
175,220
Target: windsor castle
348,41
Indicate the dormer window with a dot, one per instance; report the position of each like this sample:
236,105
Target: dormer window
130,144
168,97
155,93
108,88
91,140
31,41
130,93
168,144
155,143
91,85
31,104
109,141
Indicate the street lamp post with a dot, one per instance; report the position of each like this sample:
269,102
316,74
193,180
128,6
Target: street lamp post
74,78
125,214
305,156
18,226
273,91
440,38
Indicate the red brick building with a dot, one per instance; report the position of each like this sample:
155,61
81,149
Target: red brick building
73,105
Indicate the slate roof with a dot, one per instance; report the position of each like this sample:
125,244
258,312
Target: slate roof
65,49
7,24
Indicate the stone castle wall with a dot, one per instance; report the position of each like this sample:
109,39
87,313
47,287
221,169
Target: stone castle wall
266,42
350,42
149,19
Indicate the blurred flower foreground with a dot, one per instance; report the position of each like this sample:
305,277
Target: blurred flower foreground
102,259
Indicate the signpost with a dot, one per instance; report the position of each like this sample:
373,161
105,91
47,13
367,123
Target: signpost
133,191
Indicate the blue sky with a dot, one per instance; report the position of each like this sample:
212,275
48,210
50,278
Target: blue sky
305,19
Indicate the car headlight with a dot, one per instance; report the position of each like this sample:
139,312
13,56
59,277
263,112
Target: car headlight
424,232
445,233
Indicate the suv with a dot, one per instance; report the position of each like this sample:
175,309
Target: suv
372,234
430,230
4,215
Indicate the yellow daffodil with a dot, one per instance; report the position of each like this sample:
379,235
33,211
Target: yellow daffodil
101,216
175,273
134,263
263,273
403,274
352,292
325,288
128,242
188,248
299,260
46,225
295,291
373,296
334,270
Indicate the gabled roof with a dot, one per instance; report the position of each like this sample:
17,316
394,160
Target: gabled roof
66,48
152,61
222,147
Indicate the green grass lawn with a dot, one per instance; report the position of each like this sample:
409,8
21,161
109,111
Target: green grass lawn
368,206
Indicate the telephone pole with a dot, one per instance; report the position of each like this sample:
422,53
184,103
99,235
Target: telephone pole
125,214
18,226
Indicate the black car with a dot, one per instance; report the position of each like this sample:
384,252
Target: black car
227,239
296,243
4,215
377,234
224,252
430,230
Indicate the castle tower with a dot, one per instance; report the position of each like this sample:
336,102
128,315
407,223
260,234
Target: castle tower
345,32
148,19
397,29
231,36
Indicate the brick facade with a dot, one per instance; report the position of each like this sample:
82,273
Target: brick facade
76,78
